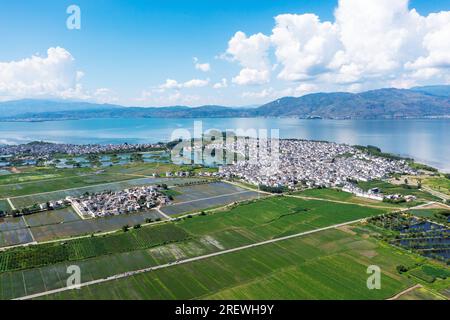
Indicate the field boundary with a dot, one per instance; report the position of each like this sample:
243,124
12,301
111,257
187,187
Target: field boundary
398,295
11,204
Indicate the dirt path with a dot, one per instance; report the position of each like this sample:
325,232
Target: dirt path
398,295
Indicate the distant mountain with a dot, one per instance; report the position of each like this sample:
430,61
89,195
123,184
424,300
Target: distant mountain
442,91
17,107
376,104
424,102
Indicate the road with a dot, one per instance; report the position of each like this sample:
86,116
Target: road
435,193
171,264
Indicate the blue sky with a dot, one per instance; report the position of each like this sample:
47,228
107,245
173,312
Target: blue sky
127,50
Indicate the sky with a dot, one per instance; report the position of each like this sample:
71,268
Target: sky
223,52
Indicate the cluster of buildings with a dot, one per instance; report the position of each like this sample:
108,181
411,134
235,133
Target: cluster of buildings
45,150
118,202
377,194
293,163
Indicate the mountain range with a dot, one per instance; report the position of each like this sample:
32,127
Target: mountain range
418,102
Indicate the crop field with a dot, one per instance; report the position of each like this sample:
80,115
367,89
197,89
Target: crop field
420,294
65,223
32,187
202,204
13,231
83,248
54,276
52,217
328,265
202,191
274,217
338,195
4,205
203,196
440,184
244,224
29,200
84,227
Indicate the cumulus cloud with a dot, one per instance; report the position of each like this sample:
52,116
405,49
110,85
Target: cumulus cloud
370,43
205,67
54,75
252,54
174,84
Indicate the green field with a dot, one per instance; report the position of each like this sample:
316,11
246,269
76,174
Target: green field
328,265
274,217
25,188
37,180
29,200
244,224
421,294
441,184
4,205
83,248
339,195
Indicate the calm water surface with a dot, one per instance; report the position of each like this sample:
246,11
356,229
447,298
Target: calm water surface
426,141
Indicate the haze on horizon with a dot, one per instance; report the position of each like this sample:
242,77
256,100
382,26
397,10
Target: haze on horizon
233,53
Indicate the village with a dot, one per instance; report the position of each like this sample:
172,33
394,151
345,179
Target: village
310,164
111,203
29,153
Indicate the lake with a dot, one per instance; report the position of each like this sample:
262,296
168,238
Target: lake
425,140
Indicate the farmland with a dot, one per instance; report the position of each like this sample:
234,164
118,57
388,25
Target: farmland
84,248
274,217
313,266
42,197
4,205
441,184
338,195
329,265
203,196
241,225
64,223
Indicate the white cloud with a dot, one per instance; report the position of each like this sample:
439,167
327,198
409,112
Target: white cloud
249,76
51,76
370,43
258,94
196,83
221,85
174,84
252,54
205,67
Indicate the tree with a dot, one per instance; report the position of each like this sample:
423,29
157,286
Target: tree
401,268
125,228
